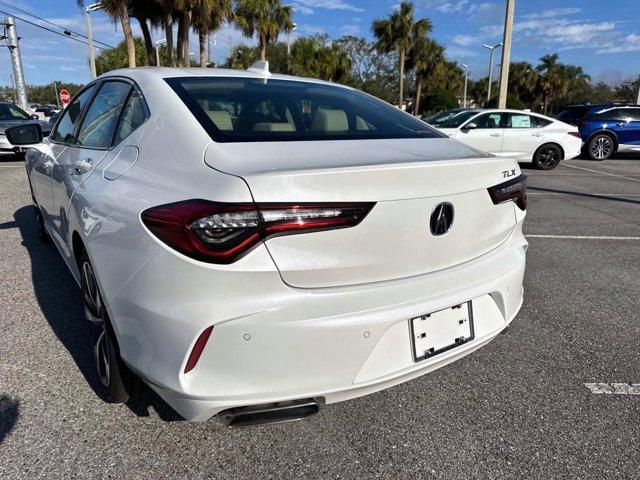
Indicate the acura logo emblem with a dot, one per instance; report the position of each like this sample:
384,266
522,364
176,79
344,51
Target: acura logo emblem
441,219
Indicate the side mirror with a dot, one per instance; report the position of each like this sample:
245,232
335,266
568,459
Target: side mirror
34,116
469,126
24,134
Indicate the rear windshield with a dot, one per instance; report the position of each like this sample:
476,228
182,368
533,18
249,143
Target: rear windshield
256,110
573,112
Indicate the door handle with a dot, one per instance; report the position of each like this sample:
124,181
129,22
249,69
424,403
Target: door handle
82,166
536,134
495,134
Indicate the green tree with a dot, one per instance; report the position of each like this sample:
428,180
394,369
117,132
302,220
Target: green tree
208,16
426,58
264,18
118,57
396,32
627,91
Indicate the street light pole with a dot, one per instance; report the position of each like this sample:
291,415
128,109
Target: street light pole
491,49
506,53
158,43
55,89
92,55
295,26
466,77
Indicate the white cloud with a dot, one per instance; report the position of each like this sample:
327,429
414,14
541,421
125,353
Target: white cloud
466,40
307,7
629,43
553,13
453,7
350,29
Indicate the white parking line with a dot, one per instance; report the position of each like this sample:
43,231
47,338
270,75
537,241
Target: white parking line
11,166
614,388
582,237
603,173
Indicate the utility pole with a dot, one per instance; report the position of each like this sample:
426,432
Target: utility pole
638,99
55,89
466,77
491,49
230,50
16,61
92,55
506,53
208,49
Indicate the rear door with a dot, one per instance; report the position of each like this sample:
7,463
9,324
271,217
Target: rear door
44,167
488,134
523,135
628,129
89,146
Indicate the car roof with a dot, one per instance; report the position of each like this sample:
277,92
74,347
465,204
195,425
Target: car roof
158,73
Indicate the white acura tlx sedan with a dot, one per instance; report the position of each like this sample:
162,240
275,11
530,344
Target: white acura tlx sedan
259,245
525,136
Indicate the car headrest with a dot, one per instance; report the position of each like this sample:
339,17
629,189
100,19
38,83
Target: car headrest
329,121
221,119
274,127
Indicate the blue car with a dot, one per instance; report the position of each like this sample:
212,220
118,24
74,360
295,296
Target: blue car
610,130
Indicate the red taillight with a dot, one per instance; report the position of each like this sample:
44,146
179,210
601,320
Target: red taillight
574,134
223,232
197,349
512,190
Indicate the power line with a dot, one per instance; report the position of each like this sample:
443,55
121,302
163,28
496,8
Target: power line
51,23
48,29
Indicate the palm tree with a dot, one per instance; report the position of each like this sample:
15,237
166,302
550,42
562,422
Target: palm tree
426,58
148,13
117,10
208,16
550,78
396,32
167,13
266,18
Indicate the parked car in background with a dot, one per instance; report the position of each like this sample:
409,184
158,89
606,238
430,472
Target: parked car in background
611,130
438,119
11,116
525,136
261,244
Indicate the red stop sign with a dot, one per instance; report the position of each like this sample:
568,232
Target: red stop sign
65,97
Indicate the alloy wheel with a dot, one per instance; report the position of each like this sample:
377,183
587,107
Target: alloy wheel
94,313
602,147
549,156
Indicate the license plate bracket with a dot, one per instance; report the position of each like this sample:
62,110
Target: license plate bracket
438,332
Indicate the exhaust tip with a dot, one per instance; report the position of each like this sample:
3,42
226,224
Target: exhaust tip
271,413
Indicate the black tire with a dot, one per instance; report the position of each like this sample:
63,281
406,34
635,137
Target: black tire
118,384
548,156
600,147
43,235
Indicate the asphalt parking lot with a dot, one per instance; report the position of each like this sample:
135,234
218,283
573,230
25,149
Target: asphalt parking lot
518,408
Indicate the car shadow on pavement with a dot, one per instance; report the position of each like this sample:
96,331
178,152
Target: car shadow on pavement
60,300
588,195
9,413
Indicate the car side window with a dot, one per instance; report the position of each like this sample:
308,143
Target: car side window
99,123
67,125
488,120
629,114
134,114
540,122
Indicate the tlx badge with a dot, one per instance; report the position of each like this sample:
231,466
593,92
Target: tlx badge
509,173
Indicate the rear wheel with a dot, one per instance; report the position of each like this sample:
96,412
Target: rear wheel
548,156
116,379
600,147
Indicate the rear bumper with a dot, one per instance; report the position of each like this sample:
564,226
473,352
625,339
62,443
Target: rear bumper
273,343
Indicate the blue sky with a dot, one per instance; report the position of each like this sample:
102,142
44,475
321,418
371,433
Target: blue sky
602,37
